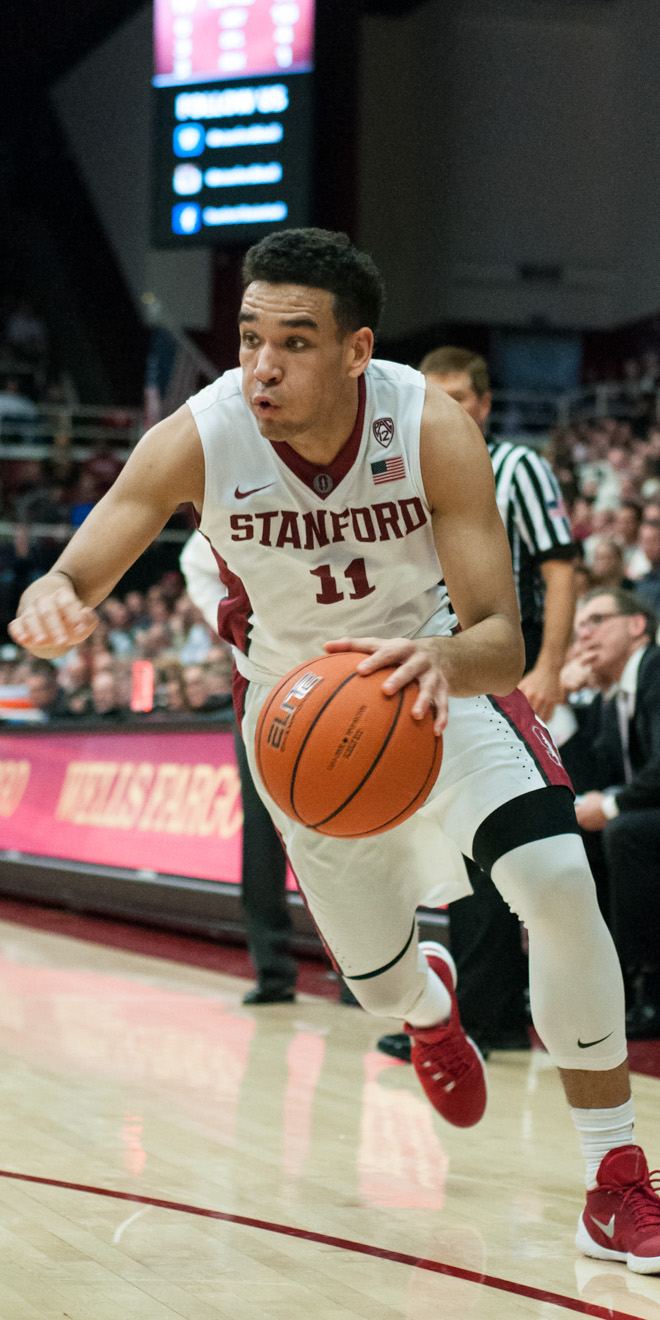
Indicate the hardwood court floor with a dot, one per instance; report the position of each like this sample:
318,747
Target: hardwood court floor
165,1152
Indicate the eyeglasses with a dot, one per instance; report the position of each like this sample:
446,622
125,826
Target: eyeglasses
595,620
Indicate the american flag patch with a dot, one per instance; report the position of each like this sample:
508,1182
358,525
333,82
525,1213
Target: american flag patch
557,510
388,469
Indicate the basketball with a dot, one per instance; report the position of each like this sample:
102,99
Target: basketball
341,756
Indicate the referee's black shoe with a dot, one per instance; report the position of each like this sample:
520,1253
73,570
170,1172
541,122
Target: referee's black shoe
397,1045
270,994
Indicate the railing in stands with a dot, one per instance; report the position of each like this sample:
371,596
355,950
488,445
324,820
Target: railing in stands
64,532
77,429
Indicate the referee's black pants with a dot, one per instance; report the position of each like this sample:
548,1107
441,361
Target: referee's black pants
263,888
485,941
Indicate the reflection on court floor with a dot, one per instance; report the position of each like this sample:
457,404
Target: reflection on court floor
194,1158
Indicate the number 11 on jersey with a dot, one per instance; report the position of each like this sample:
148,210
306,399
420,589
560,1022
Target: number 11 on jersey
356,574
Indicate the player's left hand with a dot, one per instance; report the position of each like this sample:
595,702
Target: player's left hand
416,660
589,812
543,690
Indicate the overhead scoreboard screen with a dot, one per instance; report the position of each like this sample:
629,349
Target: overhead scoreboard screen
233,86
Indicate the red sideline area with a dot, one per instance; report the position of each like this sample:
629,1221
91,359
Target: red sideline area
314,978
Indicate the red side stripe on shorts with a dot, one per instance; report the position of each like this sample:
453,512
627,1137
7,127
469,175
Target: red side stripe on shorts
519,716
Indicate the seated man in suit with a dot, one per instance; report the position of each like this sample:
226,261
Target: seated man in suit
614,759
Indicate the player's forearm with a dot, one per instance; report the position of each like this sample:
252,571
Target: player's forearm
488,657
558,614
56,612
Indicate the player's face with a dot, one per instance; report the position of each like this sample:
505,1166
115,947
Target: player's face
606,638
298,370
459,386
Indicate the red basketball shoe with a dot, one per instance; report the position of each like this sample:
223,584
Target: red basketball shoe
448,1064
622,1216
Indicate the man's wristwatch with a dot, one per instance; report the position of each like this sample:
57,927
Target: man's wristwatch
609,806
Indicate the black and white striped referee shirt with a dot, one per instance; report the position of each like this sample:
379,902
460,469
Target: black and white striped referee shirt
533,512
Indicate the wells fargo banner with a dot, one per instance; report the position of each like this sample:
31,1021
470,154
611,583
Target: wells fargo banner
162,801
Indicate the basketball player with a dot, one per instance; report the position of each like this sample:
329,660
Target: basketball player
342,494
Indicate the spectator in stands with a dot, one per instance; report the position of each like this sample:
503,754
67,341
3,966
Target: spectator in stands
581,519
614,758
172,587
98,645
150,643
103,468
625,528
137,610
120,635
25,332
608,493
171,677
106,696
650,371
15,406
632,377
157,608
219,677
607,568
648,587
74,671
79,702
192,638
46,502
198,691
85,497
602,524
583,578
44,692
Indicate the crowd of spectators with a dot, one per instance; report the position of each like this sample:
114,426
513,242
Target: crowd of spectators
608,469
46,484
609,472
191,667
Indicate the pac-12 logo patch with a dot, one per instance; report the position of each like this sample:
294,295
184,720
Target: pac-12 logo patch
383,429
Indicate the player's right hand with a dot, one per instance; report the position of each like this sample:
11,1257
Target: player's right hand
51,618
416,659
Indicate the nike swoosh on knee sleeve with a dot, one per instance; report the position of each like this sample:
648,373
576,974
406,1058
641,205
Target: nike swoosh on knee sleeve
586,1044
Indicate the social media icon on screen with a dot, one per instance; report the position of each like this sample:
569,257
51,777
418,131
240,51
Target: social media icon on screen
186,218
187,180
189,140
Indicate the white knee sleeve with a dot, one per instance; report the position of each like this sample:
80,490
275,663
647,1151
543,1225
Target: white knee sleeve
409,990
576,987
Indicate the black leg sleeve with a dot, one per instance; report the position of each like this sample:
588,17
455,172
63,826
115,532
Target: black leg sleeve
263,881
485,943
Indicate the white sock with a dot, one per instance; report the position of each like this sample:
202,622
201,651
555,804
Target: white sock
602,1130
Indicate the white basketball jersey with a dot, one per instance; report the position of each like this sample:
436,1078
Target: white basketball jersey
310,553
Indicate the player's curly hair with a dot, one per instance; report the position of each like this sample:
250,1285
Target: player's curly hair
321,259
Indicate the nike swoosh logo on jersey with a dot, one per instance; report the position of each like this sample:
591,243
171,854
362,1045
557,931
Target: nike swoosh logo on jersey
607,1229
586,1044
243,494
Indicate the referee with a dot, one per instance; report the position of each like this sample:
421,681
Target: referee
484,933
